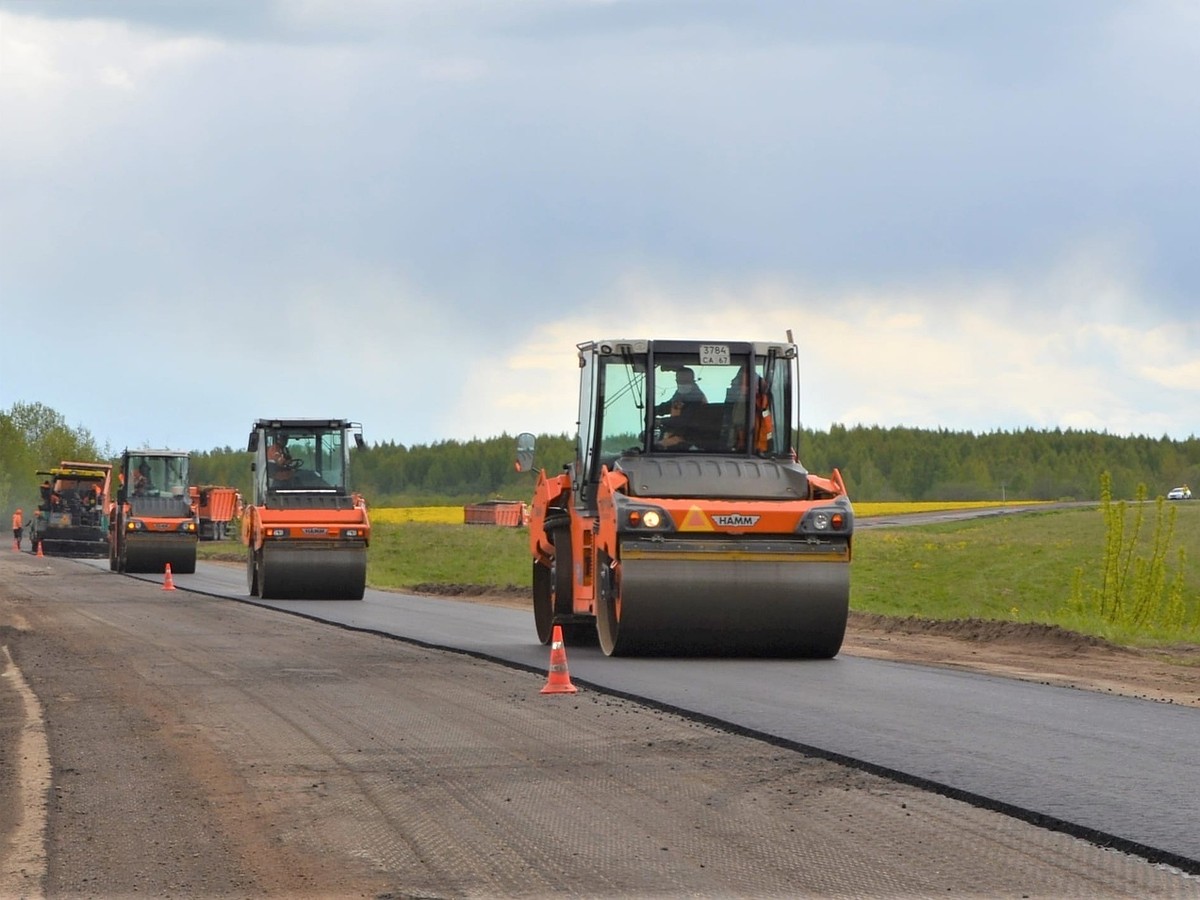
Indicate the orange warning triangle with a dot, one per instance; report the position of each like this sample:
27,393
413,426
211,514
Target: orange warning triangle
696,520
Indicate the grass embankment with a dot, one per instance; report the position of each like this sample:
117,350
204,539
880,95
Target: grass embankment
1020,568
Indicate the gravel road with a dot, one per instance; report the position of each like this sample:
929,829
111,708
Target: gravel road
157,743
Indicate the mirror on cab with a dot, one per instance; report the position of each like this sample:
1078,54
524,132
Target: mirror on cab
525,446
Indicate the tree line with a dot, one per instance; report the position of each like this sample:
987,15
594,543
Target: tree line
878,464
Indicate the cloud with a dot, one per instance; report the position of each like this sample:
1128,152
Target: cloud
980,355
967,220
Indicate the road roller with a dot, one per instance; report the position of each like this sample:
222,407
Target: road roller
306,532
685,525
72,517
153,523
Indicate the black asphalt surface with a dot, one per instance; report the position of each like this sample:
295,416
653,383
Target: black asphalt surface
1113,769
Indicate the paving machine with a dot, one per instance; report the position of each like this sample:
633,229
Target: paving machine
72,516
305,531
154,521
685,524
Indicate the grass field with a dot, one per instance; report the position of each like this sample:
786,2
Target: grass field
1016,567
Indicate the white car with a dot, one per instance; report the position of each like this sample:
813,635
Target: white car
1180,493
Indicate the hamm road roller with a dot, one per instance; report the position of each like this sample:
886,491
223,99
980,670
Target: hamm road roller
306,533
154,520
685,524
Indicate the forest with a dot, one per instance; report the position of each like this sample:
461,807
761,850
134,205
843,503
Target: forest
878,464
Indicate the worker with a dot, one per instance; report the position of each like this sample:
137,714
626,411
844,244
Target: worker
746,387
45,489
141,478
18,524
686,391
280,463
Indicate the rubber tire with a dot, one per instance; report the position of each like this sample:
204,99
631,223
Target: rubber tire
564,581
608,628
252,583
543,602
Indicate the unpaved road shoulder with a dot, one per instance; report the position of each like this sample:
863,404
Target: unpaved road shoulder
202,747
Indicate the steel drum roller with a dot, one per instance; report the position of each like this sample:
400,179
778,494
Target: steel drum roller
313,570
726,601
150,553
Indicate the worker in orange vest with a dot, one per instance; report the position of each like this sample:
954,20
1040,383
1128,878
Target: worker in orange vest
17,524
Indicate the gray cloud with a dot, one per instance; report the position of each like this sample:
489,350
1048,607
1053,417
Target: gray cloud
484,166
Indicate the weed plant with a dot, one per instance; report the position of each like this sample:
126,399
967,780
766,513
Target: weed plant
1136,591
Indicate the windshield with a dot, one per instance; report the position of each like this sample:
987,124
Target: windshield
158,476
306,460
706,401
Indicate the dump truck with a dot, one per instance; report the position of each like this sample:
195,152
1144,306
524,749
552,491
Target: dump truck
72,516
685,524
154,521
306,532
216,506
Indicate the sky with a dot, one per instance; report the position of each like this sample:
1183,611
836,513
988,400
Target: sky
976,216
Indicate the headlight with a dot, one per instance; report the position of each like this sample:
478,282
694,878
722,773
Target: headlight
826,520
644,518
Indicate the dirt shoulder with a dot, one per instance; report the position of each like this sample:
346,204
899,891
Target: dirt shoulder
1045,654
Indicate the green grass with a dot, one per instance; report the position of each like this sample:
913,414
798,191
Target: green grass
413,553
1014,568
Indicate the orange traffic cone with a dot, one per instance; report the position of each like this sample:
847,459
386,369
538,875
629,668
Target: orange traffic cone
559,681
40,553
16,546
168,581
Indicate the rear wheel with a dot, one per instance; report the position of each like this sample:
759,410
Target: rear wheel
608,605
543,602
252,571
564,583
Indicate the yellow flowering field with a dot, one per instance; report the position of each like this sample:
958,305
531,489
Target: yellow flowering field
453,515
439,515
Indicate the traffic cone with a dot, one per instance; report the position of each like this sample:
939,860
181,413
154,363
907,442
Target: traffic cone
40,553
168,581
16,546
559,681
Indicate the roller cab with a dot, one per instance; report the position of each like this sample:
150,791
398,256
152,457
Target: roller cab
306,532
154,522
686,525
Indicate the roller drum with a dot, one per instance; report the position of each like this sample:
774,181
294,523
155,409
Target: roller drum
151,553
725,603
312,571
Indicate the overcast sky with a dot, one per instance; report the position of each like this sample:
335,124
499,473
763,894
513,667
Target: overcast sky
973,215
